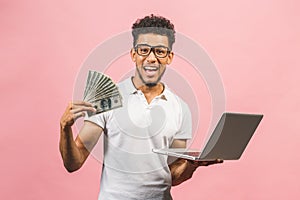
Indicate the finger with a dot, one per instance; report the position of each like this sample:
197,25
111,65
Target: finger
210,162
82,109
78,115
217,161
75,104
82,103
203,163
70,106
193,164
71,118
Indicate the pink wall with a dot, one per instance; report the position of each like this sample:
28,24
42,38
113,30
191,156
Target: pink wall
254,44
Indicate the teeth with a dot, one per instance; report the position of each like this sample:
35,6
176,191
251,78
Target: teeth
150,68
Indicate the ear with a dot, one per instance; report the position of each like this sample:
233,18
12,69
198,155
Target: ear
170,57
133,55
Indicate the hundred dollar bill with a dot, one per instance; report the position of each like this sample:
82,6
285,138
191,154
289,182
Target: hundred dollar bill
101,92
107,104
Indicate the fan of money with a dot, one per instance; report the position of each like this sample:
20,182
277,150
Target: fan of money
102,92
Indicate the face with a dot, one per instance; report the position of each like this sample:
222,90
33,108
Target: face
150,69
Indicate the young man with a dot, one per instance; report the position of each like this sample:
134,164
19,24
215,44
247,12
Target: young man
150,113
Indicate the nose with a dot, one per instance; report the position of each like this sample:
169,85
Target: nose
151,58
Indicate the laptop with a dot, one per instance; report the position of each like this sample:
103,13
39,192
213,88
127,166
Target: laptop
227,142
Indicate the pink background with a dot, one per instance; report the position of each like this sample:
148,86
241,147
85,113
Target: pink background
254,44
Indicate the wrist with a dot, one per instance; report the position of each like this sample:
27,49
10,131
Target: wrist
64,127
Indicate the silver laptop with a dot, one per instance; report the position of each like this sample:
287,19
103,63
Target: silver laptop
227,142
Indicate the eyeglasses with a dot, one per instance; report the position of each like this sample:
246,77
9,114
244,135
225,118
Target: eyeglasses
145,50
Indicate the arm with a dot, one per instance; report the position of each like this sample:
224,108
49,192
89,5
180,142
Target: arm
75,152
179,168
182,169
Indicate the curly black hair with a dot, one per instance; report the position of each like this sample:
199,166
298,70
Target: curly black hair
154,24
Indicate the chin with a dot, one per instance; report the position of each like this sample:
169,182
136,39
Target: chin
150,84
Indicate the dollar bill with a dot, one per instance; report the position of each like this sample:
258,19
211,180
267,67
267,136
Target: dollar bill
107,104
101,92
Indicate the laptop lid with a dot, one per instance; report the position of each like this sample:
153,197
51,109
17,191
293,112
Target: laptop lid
231,136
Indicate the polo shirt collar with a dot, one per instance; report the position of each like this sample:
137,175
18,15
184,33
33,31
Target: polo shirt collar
131,89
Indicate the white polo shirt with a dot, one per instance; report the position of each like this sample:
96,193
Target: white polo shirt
130,169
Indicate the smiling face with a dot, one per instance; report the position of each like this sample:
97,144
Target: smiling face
150,69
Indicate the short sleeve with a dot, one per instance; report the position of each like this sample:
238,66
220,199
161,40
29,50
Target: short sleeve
185,130
99,119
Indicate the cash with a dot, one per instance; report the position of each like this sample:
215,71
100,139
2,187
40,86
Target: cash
101,92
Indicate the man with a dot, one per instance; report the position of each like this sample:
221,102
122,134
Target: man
150,113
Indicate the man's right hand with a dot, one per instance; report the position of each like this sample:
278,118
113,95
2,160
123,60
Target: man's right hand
74,111
75,152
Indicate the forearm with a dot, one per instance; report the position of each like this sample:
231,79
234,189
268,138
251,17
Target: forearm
71,154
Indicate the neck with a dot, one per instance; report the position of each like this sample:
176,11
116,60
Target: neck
149,91
157,89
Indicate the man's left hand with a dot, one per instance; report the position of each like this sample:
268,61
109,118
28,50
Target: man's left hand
182,169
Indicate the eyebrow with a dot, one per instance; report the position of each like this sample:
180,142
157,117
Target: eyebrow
162,45
153,46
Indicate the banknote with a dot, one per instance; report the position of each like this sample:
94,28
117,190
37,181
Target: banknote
101,92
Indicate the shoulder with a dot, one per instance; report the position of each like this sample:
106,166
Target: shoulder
125,83
126,86
174,97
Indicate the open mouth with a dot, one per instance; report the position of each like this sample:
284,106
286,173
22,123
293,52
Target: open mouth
150,71
149,68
